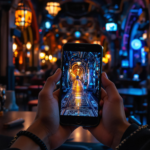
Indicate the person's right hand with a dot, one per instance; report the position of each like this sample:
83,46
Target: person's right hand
113,122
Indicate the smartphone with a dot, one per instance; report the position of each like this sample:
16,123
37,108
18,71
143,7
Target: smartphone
80,84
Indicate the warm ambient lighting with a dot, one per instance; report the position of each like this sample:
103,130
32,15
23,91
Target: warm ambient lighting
79,63
43,61
53,8
105,60
23,16
64,41
16,53
46,57
144,36
14,46
46,47
59,47
42,55
50,57
28,46
28,54
97,42
108,56
146,49
20,60
70,70
73,74
54,59
77,41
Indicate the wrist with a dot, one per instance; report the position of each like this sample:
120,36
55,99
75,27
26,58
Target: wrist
119,133
39,130
24,142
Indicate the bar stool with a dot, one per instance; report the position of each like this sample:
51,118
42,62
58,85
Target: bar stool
21,90
32,103
34,90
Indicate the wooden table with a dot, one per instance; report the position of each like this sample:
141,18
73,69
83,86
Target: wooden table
79,135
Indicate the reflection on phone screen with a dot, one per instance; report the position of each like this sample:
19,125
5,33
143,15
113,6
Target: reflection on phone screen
80,83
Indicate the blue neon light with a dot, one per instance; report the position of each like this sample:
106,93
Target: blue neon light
47,25
111,27
136,77
116,6
77,34
143,56
125,63
136,44
140,11
57,35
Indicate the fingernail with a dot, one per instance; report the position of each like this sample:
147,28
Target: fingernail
58,70
105,75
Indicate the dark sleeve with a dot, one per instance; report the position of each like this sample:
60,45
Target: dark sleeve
138,141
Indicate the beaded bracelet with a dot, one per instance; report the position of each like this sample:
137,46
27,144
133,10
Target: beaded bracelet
122,142
30,135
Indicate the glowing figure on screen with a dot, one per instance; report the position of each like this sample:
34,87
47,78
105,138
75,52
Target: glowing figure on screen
136,44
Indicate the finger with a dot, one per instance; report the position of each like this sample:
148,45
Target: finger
103,94
109,86
51,81
100,112
56,94
101,103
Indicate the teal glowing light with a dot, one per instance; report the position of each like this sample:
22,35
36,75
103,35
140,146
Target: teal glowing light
77,34
47,25
136,44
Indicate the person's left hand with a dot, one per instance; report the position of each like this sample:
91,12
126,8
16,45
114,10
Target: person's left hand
48,114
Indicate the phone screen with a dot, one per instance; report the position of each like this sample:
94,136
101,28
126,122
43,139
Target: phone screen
80,83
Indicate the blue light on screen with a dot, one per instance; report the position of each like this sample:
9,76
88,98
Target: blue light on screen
47,25
136,44
125,63
111,27
77,34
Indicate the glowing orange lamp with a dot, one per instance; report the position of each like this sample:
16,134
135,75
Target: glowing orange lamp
23,16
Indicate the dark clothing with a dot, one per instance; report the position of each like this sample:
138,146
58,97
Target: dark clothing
139,140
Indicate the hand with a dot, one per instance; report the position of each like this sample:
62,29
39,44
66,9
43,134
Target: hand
46,125
48,112
113,122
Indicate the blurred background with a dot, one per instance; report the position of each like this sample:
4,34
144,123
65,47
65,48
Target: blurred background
33,32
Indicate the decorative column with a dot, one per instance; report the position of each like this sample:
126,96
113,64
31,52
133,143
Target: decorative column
6,56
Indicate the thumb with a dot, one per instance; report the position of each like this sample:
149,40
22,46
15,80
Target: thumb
51,81
109,86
